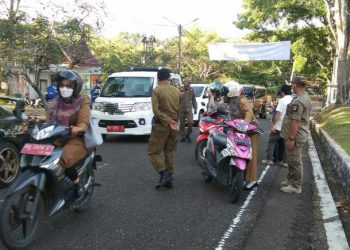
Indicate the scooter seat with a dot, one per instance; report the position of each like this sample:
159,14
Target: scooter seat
219,138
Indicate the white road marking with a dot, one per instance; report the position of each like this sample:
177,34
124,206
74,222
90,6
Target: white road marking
241,211
336,238
102,166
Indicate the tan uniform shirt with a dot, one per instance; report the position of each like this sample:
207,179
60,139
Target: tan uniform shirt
188,101
165,103
299,109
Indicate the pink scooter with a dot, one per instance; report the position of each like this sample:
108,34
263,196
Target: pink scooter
227,153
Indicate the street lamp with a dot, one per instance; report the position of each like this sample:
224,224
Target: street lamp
180,31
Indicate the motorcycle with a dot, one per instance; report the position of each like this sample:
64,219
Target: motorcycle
206,122
227,154
42,188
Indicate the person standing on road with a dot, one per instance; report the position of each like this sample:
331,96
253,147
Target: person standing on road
295,129
52,91
165,103
95,91
240,108
188,101
277,119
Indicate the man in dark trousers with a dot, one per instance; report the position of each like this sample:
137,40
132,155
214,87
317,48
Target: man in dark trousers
188,101
295,131
165,103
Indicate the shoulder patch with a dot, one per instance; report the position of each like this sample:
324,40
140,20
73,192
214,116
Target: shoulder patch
295,108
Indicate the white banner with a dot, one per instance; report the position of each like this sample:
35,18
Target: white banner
249,51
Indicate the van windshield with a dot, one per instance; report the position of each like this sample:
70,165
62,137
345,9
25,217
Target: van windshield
127,87
197,90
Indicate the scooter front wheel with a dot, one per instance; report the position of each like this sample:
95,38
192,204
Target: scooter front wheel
21,218
236,188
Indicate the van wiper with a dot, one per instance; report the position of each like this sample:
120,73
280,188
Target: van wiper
139,96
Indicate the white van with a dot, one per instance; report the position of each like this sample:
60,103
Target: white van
202,98
124,105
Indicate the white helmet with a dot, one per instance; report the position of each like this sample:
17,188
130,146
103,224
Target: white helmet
234,89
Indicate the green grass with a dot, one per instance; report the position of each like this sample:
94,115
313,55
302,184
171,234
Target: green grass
336,121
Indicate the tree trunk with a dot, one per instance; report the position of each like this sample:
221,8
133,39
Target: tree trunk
342,20
37,90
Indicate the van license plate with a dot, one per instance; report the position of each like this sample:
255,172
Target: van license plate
37,149
115,128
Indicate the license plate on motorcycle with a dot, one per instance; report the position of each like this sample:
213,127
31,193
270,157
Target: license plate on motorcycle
115,128
37,149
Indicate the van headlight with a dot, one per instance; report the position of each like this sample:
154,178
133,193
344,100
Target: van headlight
141,106
97,106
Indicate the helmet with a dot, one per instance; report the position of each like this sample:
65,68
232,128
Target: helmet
188,79
224,91
73,77
215,86
234,89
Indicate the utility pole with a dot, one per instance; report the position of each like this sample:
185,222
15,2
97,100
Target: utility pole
180,31
147,55
179,55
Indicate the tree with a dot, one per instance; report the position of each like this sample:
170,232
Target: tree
339,23
30,45
301,21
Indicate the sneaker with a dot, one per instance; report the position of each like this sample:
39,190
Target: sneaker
267,162
285,183
250,185
182,140
290,189
284,164
79,192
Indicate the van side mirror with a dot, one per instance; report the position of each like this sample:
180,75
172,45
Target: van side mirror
205,96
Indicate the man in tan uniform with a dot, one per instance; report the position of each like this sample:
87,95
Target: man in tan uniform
165,103
295,129
188,101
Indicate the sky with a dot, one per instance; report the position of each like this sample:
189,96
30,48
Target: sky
159,18
162,17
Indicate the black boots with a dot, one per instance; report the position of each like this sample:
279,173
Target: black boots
165,179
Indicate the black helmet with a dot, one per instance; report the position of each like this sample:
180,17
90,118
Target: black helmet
73,77
224,91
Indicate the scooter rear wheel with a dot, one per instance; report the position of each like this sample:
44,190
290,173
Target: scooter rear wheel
20,221
199,148
236,185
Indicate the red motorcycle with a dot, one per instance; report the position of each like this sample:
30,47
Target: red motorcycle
207,121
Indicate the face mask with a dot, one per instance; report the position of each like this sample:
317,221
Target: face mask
66,92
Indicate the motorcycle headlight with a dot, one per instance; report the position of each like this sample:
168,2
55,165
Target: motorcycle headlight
97,106
141,106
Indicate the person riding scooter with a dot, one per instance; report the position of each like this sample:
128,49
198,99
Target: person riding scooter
240,108
71,109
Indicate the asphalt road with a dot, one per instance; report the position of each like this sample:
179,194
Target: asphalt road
127,212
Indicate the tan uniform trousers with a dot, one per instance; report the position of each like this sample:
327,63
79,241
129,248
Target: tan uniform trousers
295,165
251,171
73,151
183,117
162,139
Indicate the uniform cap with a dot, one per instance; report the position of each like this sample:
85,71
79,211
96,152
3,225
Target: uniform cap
299,80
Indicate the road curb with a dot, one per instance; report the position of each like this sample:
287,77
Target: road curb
337,155
335,234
